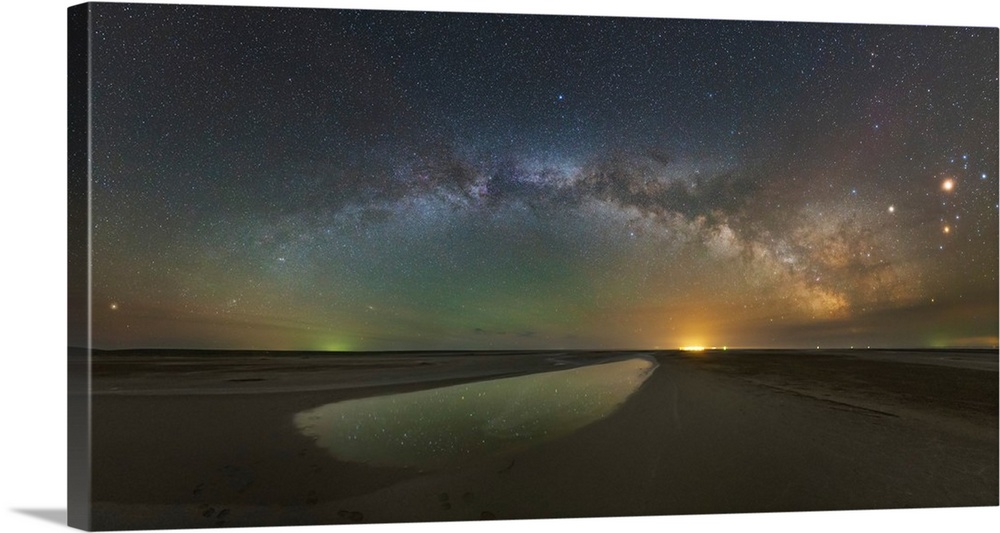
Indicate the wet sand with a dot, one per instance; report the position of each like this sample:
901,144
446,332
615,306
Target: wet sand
207,441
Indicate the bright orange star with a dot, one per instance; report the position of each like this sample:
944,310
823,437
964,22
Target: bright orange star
948,185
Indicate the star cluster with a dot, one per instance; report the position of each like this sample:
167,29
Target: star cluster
366,180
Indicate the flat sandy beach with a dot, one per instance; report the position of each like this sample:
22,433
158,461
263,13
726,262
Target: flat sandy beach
255,438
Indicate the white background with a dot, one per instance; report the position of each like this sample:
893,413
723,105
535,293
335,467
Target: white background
33,244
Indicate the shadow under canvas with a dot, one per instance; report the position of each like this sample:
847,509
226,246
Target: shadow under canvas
56,516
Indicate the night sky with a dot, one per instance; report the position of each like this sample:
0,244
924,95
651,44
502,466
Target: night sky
363,180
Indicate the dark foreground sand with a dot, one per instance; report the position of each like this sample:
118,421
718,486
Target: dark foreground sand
209,441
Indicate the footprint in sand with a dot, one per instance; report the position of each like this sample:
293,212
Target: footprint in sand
353,516
238,478
443,499
221,518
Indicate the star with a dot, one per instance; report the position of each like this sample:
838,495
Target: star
421,201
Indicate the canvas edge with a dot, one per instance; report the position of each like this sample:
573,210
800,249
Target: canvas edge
79,472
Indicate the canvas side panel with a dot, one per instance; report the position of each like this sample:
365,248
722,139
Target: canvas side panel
78,267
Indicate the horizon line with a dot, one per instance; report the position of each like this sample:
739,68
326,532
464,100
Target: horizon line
457,350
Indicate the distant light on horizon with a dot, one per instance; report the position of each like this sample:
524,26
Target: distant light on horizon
655,210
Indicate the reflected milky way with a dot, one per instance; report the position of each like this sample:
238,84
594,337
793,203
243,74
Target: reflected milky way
448,425
363,180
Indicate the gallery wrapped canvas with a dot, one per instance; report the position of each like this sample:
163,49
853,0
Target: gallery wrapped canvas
339,266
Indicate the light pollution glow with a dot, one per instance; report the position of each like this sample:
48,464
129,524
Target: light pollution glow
375,182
